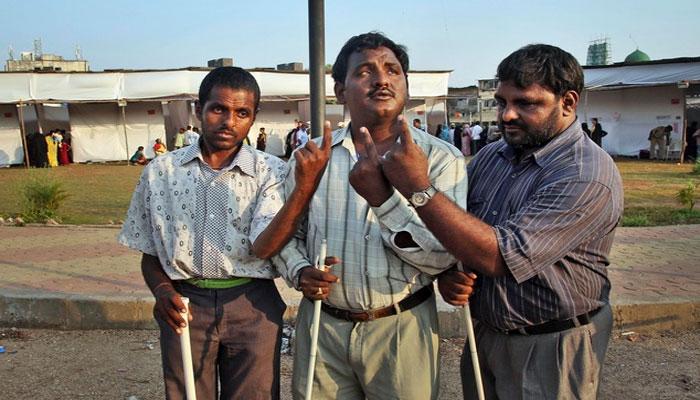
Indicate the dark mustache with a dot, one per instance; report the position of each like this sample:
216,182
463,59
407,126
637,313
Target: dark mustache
381,90
514,124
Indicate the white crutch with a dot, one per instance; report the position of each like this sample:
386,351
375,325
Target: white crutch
187,352
472,347
320,264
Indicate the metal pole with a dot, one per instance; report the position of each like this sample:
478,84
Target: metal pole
186,350
315,323
317,66
22,132
126,138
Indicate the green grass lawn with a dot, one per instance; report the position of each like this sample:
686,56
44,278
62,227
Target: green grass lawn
100,193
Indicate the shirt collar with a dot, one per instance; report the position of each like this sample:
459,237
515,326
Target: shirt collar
551,151
244,160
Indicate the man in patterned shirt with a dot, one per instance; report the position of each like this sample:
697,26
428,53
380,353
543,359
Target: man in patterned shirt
206,218
543,206
378,334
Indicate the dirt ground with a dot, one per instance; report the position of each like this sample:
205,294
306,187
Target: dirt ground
125,365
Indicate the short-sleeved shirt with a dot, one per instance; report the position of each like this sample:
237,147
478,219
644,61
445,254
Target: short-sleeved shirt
200,222
554,214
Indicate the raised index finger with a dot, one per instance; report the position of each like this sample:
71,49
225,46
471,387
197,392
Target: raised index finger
326,142
365,139
405,131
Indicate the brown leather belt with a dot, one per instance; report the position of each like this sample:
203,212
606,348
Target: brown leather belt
363,316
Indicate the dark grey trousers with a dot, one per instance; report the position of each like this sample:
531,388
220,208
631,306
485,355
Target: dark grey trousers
561,365
235,338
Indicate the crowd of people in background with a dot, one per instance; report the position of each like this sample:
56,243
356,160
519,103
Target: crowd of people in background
49,150
468,138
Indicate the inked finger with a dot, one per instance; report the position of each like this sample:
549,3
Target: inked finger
404,131
326,142
370,151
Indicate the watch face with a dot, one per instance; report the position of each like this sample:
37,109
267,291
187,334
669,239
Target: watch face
419,199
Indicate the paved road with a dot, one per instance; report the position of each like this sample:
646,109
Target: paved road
79,277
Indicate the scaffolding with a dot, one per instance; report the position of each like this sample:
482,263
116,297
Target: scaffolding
599,52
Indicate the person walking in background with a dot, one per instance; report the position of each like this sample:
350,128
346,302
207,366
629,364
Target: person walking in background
597,133
586,130
476,137
191,136
457,136
51,149
691,147
179,139
466,140
261,142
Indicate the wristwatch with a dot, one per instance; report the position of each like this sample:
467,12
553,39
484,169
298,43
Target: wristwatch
422,197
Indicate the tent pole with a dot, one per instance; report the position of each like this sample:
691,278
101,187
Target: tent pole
122,106
685,127
22,132
317,67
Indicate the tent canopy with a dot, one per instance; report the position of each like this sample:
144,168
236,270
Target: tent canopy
654,73
173,84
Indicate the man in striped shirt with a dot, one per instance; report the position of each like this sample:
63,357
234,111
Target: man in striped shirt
378,334
543,206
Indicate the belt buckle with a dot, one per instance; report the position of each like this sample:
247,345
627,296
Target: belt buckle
370,315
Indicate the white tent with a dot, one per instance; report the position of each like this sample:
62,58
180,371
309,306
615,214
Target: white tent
98,127
630,100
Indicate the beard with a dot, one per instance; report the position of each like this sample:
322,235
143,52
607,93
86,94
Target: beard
533,136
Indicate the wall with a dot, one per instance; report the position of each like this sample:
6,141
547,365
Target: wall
629,114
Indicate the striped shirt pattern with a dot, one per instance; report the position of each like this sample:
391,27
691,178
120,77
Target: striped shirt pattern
554,214
374,272
200,222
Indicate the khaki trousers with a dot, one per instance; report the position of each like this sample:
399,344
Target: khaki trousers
393,357
560,365
658,145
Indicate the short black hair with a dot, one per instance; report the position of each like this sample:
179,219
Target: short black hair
365,41
231,77
545,65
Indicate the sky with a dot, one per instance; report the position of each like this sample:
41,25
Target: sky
469,37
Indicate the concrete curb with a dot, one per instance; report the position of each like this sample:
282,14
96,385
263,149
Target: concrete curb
76,313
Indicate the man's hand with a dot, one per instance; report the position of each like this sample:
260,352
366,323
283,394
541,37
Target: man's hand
315,283
311,162
456,286
169,306
405,165
366,176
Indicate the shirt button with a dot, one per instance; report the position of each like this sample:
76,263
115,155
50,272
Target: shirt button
211,216
494,212
514,176
212,184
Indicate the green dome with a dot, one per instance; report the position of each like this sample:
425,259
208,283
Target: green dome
637,56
